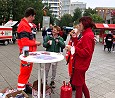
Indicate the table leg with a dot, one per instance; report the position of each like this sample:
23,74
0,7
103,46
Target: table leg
44,82
39,80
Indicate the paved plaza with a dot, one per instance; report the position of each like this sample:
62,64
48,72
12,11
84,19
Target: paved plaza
100,77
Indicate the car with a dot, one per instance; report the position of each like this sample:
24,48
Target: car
66,31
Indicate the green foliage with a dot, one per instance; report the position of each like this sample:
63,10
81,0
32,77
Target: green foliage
89,11
66,20
77,15
97,19
56,21
49,13
16,9
93,14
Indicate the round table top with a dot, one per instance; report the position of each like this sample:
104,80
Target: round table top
42,57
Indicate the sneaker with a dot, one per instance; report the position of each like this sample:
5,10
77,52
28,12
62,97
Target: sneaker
28,89
52,84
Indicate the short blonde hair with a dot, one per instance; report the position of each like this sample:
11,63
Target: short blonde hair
57,28
75,27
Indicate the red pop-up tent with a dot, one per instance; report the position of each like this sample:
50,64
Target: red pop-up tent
103,27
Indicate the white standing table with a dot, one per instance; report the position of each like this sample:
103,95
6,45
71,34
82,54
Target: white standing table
42,57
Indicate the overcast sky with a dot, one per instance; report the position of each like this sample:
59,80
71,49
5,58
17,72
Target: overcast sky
97,3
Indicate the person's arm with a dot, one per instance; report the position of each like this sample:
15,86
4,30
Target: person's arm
69,47
27,42
86,48
75,40
25,36
61,42
68,53
46,42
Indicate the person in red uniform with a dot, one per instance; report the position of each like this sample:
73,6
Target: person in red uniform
72,42
69,54
82,56
26,41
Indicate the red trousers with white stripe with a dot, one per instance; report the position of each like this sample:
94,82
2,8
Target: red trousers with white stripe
24,75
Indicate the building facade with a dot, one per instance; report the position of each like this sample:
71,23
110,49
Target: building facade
75,5
107,13
68,7
61,7
65,7
55,7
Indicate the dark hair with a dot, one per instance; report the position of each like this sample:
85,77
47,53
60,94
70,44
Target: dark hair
87,22
30,11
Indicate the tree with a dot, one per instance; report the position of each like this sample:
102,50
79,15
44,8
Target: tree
56,21
3,10
97,19
66,20
38,6
92,13
89,11
16,8
77,15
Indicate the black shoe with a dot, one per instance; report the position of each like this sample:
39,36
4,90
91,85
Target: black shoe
73,88
52,84
28,89
46,82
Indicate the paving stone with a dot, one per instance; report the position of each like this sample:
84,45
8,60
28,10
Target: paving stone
100,78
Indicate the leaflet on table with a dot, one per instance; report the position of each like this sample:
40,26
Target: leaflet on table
46,53
43,56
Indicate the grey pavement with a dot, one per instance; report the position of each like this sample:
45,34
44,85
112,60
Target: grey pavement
100,77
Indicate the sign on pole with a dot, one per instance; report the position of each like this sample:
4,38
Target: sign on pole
46,21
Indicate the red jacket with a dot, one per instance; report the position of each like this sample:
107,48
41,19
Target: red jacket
84,50
25,41
61,33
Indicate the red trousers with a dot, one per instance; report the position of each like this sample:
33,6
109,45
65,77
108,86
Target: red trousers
24,75
82,89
